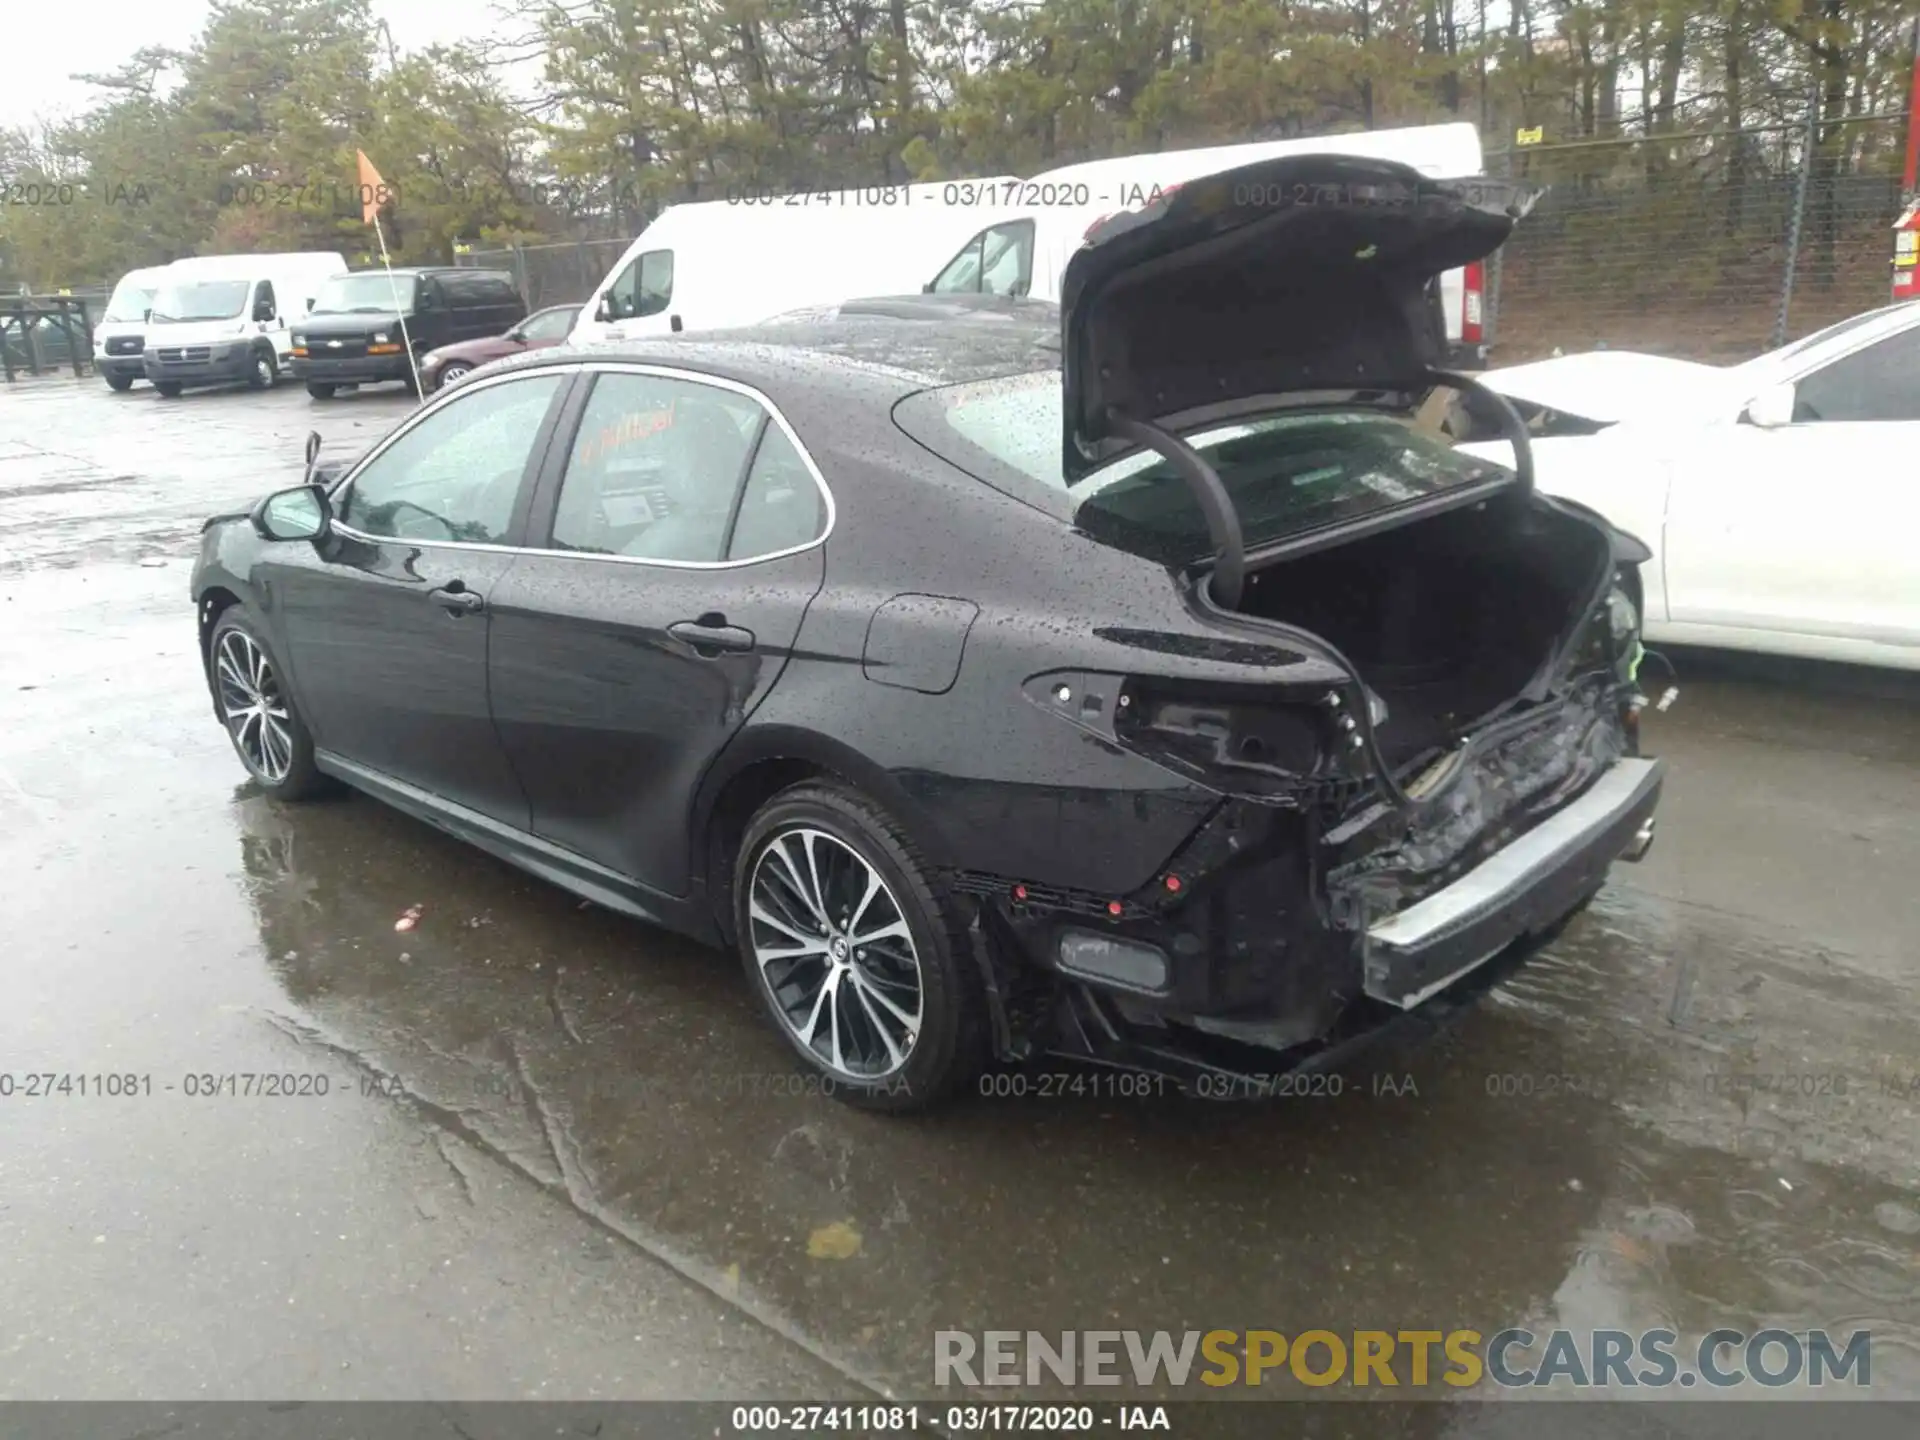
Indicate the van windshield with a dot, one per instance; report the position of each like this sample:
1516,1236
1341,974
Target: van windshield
1288,473
130,301
200,300
372,292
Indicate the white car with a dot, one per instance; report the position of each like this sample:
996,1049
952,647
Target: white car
1781,497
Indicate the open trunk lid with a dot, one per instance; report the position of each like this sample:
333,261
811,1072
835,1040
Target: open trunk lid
1299,274
1461,616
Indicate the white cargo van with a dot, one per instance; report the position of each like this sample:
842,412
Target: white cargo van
221,319
119,332
1022,241
717,263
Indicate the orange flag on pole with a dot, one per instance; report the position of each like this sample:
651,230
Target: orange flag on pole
373,189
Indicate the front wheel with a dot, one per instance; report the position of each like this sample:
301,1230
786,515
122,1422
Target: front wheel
454,374
119,382
169,389
319,391
265,372
268,735
858,950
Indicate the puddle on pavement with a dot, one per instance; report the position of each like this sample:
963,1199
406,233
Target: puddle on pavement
1571,1155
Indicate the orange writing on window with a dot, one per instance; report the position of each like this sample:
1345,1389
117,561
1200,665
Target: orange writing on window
629,429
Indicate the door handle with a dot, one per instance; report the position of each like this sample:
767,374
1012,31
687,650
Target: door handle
711,636
456,599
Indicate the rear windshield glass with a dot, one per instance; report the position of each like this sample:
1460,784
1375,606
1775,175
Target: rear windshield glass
1287,474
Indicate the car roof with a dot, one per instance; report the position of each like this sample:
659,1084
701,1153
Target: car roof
901,344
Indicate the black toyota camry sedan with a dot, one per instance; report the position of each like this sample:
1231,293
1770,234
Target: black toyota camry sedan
1131,681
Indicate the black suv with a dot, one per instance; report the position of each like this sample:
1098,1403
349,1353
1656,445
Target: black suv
354,335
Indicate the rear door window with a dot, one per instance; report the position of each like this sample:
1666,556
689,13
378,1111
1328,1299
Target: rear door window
480,288
654,470
781,508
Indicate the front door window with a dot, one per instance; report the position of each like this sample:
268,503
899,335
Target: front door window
456,474
645,287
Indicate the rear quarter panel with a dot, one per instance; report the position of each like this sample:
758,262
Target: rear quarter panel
988,779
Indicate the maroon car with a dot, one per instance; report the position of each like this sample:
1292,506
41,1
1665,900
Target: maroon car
450,363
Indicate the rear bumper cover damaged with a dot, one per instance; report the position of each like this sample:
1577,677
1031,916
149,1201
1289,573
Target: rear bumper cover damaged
1287,951
1516,891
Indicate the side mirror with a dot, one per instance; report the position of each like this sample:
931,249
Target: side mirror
1771,408
145,315
603,306
673,322
263,311
927,289
302,513
310,302
517,335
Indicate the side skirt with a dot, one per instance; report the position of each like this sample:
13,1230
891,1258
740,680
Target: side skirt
552,863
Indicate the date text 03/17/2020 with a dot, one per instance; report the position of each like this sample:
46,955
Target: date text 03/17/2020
967,1419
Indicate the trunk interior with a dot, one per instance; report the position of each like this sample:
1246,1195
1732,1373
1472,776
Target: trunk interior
1444,618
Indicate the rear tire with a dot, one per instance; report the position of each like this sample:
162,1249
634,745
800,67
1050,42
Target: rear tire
169,389
822,868
319,391
257,710
119,382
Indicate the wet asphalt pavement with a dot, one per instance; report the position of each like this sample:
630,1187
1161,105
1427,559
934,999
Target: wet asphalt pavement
560,1155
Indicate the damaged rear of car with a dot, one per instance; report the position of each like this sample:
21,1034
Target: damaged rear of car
1407,677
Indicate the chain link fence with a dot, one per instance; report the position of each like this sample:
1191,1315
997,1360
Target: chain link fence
1709,246
561,273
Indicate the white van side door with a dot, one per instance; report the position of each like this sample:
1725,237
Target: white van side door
999,260
266,316
639,300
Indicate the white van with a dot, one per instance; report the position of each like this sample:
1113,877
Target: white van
220,319
1021,247
717,263
119,332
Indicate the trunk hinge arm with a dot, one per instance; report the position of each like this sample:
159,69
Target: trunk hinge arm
1511,425
1223,520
